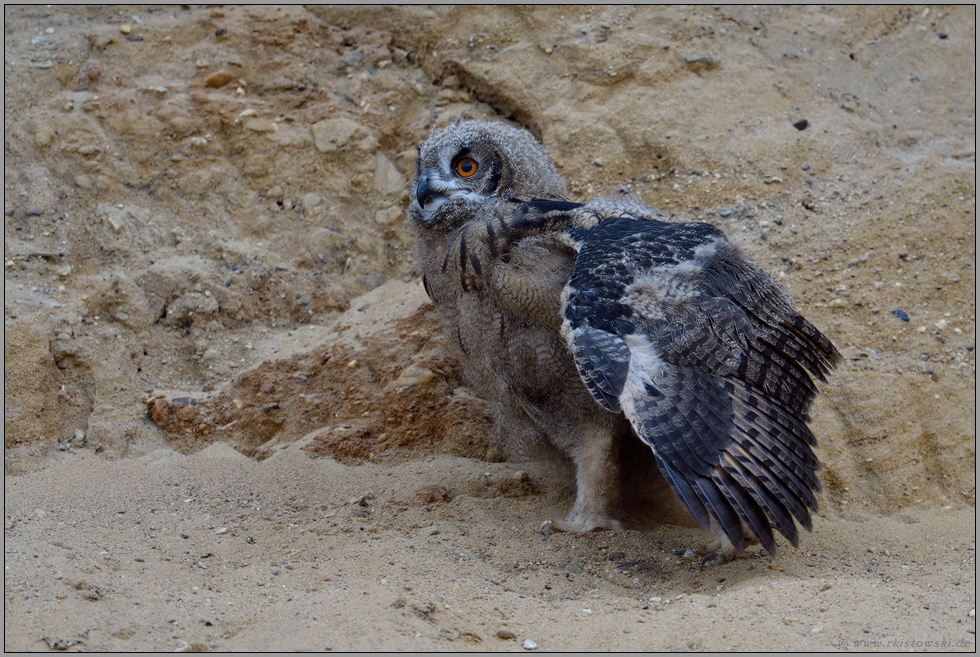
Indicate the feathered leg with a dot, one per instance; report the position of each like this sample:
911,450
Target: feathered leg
597,500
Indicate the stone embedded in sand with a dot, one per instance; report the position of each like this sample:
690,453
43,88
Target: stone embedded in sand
339,135
413,375
387,179
389,217
219,79
256,124
160,412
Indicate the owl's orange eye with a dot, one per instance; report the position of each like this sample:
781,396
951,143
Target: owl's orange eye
466,167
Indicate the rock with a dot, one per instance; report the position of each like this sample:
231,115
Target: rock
160,412
413,375
506,634
257,124
219,79
32,382
387,179
389,217
700,61
340,135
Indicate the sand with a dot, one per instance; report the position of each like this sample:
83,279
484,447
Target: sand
230,422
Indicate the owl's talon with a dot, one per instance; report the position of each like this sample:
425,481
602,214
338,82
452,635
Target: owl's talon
718,557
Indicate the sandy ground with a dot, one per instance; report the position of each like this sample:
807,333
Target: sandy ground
229,419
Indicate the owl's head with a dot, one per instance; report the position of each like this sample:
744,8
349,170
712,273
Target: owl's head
470,162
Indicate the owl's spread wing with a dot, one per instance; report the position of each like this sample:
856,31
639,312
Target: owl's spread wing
704,354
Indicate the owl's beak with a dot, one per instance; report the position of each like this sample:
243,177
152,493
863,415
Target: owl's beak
423,191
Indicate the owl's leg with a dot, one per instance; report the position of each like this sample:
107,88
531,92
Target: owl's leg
597,501
721,550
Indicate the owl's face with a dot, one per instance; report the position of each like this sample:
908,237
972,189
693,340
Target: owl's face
468,163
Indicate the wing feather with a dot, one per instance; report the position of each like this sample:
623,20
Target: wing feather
704,354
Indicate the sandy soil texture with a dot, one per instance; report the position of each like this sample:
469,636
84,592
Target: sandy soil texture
230,422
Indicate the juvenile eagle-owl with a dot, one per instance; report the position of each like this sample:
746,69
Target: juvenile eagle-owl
587,324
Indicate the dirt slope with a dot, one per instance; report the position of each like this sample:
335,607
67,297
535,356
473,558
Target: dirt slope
229,420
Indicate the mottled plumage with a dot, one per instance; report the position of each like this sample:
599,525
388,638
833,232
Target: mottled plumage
678,339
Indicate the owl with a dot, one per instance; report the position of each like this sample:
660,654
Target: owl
590,324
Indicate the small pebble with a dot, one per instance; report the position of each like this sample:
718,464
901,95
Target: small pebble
506,634
699,58
901,314
529,645
221,530
219,79
574,569
801,125
125,28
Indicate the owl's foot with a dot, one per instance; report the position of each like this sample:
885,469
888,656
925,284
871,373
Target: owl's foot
716,557
716,552
581,524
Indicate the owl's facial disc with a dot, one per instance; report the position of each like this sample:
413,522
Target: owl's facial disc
465,177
